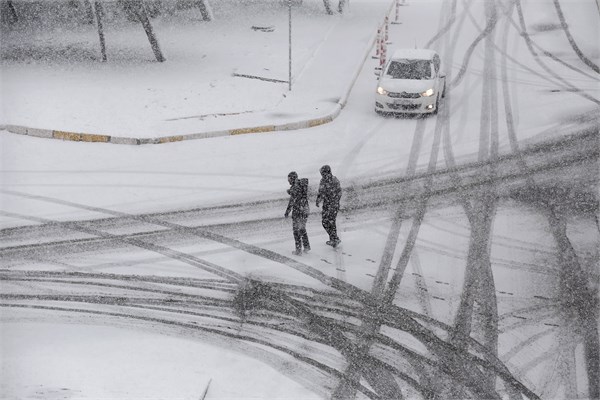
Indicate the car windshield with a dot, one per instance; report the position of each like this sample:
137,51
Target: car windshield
410,69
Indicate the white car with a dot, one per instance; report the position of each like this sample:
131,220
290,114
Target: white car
411,82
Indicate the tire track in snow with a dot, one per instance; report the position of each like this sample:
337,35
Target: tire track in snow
548,70
121,303
381,278
210,267
176,255
348,290
479,287
331,301
561,153
572,42
509,9
100,274
206,330
530,341
573,278
443,120
491,23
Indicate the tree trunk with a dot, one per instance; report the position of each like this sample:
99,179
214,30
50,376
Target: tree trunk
14,17
89,11
576,294
327,7
137,6
206,10
99,15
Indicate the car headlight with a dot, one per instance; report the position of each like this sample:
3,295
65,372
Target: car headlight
381,90
427,93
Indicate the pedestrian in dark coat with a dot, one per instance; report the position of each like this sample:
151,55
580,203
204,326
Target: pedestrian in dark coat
298,205
330,193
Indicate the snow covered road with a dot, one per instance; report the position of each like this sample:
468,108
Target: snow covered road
469,261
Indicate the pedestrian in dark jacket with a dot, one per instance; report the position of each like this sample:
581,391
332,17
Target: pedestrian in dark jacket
330,194
298,205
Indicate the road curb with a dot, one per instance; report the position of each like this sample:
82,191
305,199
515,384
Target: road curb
102,138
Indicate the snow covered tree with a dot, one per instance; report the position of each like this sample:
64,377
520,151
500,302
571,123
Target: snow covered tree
341,6
138,9
12,12
205,10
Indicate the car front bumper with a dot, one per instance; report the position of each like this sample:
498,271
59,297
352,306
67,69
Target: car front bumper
421,105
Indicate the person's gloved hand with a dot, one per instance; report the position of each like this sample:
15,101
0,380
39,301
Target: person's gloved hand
287,214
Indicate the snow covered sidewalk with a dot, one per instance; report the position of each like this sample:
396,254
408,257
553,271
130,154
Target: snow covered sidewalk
195,93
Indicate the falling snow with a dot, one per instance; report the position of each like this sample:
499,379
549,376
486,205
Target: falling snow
163,268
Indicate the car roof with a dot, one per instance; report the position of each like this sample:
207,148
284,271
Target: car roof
414,54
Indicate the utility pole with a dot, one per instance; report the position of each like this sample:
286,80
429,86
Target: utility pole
290,45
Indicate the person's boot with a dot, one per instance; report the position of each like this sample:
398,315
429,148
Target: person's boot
333,242
298,243
305,243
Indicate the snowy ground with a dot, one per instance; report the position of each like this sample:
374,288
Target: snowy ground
211,184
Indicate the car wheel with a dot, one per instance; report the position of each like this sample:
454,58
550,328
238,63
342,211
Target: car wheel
444,90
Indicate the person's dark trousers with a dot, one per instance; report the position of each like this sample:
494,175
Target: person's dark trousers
328,221
300,235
